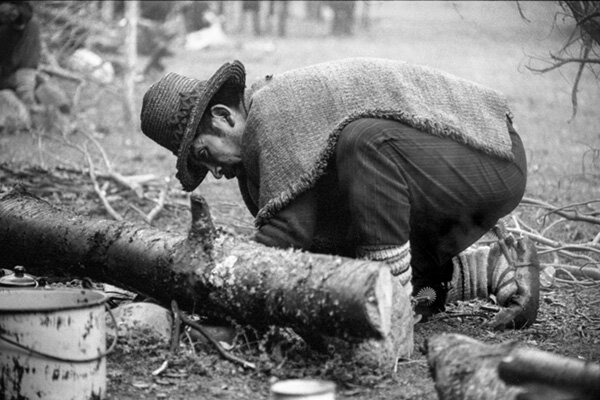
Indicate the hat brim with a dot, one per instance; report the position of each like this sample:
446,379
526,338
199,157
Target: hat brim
191,177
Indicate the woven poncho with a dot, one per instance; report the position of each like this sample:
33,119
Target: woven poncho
294,119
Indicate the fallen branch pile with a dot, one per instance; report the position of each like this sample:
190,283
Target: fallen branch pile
574,262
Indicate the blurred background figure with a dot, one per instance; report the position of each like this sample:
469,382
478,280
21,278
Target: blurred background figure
20,49
194,14
343,17
251,8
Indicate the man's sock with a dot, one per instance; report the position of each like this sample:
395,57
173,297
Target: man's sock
396,257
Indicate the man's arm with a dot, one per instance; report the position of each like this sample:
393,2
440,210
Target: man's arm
293,226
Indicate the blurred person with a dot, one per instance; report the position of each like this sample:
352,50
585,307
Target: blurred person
342,23
364,157
251,7
20,49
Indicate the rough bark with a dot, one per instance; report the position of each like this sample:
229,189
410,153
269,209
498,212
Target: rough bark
567,376
229,276
464,368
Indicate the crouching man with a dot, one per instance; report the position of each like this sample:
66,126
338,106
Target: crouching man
363,157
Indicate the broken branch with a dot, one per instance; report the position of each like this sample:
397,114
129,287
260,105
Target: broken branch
220,349
573,215
101,192
525,366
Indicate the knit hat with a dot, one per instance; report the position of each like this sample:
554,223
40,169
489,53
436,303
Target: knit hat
173,107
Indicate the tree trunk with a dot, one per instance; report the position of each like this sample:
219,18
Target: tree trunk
107,10
283,13
132,16
229,276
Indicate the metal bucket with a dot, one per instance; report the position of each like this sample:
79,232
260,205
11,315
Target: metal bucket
52,344
303,389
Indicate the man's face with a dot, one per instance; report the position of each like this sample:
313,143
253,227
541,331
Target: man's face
8,13
221,155
218,142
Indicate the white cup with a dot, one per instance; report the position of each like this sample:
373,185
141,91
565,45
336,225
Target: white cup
303,389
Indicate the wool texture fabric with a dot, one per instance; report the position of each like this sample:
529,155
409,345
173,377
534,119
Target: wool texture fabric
481,271
294,119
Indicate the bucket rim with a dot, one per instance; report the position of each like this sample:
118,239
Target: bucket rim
101,300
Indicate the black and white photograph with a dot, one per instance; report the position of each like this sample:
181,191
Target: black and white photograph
299,200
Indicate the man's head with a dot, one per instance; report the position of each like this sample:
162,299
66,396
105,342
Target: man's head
201,122
218,142
15,13
8,13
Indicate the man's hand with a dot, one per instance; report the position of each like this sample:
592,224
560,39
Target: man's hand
521,308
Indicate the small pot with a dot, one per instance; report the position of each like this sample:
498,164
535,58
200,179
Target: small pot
18,278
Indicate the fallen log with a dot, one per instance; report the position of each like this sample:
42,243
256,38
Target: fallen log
464,368
225,277
546,372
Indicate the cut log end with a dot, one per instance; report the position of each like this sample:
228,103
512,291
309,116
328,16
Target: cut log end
379,305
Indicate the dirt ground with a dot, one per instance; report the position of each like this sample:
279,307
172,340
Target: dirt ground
488,42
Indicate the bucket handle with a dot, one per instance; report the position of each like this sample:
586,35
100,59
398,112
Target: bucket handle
56,358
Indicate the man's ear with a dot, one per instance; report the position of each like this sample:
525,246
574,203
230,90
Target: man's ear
222,111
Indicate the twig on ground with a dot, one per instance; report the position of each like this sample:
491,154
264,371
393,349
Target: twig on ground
135,187
596,240
568,254
99,191
566,249
176,331
176,327
573,214
65,161
572,247
189,338
163,367
61,73
458,315
577,282
160,204
579,271
552,225
174,339
216,344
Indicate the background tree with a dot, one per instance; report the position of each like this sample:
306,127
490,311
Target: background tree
582,46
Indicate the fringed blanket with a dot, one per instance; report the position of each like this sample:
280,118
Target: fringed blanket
295,118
